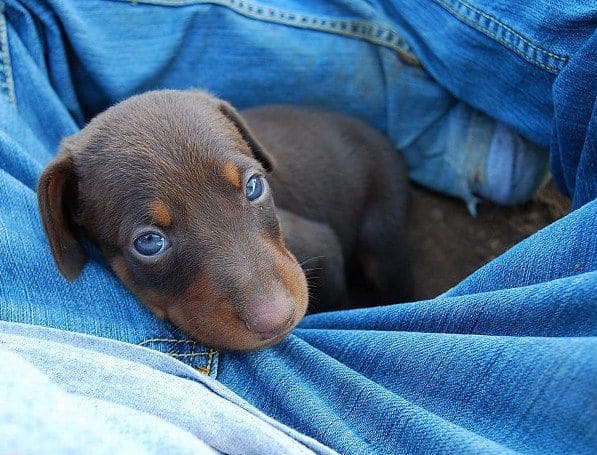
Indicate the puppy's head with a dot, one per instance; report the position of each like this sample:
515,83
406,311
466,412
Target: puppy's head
171,187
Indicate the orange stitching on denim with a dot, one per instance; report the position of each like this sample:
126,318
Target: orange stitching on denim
206,370
510,45
372,32
203,370
192,354
166,340
210,354
511,30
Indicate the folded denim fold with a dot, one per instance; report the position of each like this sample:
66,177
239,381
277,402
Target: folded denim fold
73,393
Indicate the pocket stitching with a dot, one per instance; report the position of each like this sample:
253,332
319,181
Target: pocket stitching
208,357
454,6
369,31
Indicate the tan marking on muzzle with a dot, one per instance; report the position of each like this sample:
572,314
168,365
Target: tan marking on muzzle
288,270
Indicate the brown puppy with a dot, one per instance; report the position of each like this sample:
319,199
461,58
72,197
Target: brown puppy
170,186
346,176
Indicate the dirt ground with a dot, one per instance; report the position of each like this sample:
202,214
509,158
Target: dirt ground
447,243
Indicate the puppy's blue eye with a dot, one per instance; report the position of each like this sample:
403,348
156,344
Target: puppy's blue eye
149,244
254,187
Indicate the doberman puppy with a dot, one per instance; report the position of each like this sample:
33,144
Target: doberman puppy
171,186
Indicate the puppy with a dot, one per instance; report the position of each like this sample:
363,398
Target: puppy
171,186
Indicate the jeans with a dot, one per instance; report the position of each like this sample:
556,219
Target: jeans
504,361
148,402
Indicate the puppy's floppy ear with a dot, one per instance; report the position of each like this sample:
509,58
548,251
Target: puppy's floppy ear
57,194
259,152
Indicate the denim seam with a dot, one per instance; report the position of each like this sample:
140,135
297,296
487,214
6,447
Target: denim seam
192,354
505,35
166,340
187,357
370,31
7,82
207,369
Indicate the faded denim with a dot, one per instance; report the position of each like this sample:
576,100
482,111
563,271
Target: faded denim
148,402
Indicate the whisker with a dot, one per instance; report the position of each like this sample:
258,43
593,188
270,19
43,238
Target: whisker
310,259
314,269
311,286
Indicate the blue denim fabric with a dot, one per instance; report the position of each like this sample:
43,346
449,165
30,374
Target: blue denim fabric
73,393
504,361
574,139
96,66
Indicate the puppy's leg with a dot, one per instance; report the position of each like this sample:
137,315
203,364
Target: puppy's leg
317,248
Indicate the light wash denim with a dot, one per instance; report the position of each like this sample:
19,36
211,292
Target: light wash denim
505,361
445,141
52,402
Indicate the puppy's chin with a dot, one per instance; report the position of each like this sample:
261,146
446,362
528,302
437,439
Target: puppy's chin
259,318
213,318
227,331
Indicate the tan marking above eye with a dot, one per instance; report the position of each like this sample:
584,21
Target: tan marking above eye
160,214
232,174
